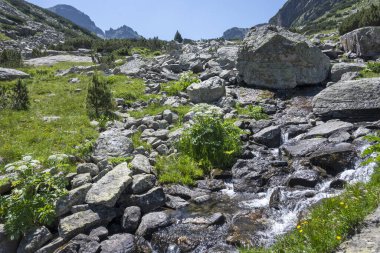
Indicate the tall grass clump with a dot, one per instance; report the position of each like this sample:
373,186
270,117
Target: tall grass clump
175,87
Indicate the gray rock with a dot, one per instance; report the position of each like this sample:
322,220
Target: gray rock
109,188
100,232
119,243
80,208
306,178
81,243
131,219
140,164
339,69
335,159
303,147
84,221
88,168
7,245
143,183
365,42
361,131
273,57
211,184
175,202
76,196
184,192
270,136
52,246
6,184
11,74
34,240
149,201
328,128
352,100
151,222
207,91
80,180
51,60
339,137
113,143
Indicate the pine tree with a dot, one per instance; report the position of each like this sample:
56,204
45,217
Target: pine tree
178,37
99,98
20,96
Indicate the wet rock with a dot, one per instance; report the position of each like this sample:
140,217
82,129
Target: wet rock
201,199
335,159
6,244
81,243
207,91
175,202
140,164
113,143
303,147
52,246
339,69
338,184
353,100
151,222
211,184
100,232
131,219
119,243
361,131
295,130
84,221
74,197
270,137
328,128
143,183
88,168
184,192
363,41
149,201
275,58
109,188
306,178
12,74
275,199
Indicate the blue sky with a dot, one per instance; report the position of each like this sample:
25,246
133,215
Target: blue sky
195,19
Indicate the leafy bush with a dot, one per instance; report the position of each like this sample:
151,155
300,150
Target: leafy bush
372,70
20,96
179,169
99,97
10,59
365,17
137,142
175,87
32,201
211,142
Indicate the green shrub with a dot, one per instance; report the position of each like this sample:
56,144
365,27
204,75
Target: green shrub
138,142
32,201
211,142
118,160
179,169
372,70
10,59
365,17
175,87
20,96
99,97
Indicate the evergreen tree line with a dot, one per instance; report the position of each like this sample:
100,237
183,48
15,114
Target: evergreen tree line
14,96
365,17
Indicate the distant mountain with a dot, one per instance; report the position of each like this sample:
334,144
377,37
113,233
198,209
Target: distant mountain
235,33
123,32
77,17
317,15
26,26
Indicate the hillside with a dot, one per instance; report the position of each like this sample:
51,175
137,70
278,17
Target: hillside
123,32
27,26
316,15
77,17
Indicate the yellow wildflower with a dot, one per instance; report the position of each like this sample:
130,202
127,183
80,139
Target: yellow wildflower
338,237
342,203
298,227
301,231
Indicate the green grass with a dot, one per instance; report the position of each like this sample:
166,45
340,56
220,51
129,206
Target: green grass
179,169
24,132
138,142
372,70
145,52
173,88
131,90
332,220
3,37
118,160
255,112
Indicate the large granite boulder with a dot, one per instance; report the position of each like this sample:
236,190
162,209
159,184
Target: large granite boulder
119,243
207,91
11,74
273,57
34,239
109,188
339,69
365,42
113,143
351,100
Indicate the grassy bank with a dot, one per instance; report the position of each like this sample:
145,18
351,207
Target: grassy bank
333,220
